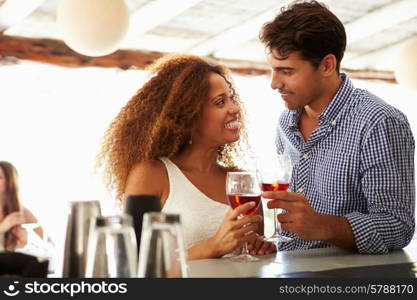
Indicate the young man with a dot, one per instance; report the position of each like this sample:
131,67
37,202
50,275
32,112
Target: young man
353,154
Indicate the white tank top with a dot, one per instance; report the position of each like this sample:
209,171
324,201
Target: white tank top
201,216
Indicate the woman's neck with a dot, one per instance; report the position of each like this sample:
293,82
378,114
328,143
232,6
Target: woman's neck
197,158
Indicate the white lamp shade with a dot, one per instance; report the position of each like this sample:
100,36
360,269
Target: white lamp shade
93,27
406,69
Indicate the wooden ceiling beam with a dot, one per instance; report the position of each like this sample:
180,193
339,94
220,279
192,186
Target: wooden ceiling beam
57,53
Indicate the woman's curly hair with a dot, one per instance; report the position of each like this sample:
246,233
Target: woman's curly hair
159,119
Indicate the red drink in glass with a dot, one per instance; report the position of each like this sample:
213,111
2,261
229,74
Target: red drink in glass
275,187
236,200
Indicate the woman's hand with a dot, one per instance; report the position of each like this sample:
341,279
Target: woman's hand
257,246
232,233
11,220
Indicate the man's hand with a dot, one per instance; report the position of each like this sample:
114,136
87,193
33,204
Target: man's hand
301,219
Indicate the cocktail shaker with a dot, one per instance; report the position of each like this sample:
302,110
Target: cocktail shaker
162,253
111,248
76,239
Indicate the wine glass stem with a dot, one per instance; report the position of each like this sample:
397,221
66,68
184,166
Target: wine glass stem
245,246
277,255
245,249
276,224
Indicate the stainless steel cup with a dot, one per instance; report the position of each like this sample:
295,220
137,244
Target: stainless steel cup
162,253
111,248
76,239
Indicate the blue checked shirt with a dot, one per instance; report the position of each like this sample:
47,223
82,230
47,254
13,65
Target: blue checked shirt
359,164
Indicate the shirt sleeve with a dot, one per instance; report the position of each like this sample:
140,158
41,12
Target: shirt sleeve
387,180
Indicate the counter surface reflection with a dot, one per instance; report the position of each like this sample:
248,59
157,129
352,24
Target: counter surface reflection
323,262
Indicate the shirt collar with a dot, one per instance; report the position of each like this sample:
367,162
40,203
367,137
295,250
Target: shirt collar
338,101
294,116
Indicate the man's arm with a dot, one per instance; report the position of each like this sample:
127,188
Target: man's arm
387,169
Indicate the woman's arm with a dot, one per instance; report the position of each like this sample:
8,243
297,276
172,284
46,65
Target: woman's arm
13,219
149,178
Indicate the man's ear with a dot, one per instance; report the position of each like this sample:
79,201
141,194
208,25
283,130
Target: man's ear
328,64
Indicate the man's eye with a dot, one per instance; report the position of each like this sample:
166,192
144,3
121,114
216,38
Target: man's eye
220,102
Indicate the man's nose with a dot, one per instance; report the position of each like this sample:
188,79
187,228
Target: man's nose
276,82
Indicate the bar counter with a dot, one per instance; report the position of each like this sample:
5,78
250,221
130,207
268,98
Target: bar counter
323,262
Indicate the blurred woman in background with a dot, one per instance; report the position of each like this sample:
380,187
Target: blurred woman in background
12,213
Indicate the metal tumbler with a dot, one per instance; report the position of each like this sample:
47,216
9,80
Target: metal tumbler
162,252
111,248
75,249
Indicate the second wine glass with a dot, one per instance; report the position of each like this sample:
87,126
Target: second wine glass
241,188
276,177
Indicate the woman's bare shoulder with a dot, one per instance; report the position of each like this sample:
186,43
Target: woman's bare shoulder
146,177
148,166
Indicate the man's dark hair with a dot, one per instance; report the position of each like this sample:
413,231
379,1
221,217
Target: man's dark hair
307,27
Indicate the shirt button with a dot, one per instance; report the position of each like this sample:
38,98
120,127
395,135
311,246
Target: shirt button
306,156
333,122
300,190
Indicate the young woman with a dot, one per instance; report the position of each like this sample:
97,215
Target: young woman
12,213
177,138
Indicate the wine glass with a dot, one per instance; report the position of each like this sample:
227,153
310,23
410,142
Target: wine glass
243,187
277,177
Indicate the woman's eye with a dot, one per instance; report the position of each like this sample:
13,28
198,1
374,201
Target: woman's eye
220,102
